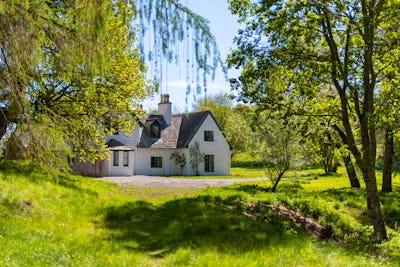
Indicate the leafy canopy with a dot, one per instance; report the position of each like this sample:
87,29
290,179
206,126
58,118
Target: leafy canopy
289,50
71,69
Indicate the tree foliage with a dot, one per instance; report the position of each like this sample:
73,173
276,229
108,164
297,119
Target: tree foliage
289,50
180,160
78,66
279,142
65,70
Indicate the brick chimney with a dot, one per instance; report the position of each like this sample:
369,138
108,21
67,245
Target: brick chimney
165,108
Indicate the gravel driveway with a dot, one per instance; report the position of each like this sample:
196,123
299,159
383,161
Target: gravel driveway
154,181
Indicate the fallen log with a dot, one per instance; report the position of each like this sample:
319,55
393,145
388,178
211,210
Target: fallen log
297,218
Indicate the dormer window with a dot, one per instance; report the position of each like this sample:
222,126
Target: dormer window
155,130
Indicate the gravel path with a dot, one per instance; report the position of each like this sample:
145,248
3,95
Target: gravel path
154,181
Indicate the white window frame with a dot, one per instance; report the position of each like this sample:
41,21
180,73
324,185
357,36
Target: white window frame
115,158
210,164
125,158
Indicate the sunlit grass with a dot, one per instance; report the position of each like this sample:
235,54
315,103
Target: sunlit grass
253,172
76,221
236,172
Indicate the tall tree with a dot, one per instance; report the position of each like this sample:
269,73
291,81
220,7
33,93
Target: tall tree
309,44
324,117
66,67
78,67
389,124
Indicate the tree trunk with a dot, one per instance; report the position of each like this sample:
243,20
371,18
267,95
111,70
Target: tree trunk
276,182
351,171
388,162
373,204
5,120
365,160
330,162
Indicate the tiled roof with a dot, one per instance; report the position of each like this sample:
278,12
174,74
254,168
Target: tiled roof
169,134
177,135
190,124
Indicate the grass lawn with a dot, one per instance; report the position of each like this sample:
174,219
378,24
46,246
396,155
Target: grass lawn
76,221
236,172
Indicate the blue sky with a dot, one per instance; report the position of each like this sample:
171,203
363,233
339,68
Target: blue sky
224,27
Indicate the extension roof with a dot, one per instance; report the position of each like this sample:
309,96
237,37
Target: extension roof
116,145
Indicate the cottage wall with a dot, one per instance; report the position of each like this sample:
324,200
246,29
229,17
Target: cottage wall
219,148
143,161
121,170
140,158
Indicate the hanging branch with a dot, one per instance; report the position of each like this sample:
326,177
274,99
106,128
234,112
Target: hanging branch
170,23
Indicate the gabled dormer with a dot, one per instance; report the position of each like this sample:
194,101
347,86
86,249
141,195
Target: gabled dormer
155,129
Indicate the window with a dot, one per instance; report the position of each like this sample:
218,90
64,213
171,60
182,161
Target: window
115,158
156,162
155,130
126,158
208,163
208,136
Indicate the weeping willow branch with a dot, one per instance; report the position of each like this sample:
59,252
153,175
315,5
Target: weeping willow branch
167,24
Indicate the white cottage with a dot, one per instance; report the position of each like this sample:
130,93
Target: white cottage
147,151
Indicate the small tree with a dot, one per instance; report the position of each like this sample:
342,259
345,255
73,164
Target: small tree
279,141
196,157
180,160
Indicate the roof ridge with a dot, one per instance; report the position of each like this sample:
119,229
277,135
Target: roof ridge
185,113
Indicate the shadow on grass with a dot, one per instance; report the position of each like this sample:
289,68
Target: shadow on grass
253,189
391,207
203,221
343,194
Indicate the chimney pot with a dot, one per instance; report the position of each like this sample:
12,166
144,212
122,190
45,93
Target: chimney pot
165,109
164,99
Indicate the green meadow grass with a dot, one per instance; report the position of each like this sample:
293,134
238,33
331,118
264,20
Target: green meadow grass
236,172
75,221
